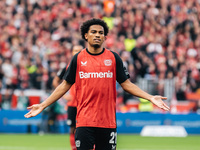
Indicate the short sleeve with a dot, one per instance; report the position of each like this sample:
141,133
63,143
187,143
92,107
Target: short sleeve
61,73
121,72
70,75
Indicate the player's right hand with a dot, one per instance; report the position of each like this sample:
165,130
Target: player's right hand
34,110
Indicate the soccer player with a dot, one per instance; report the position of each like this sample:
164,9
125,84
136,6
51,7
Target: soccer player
71,120
95,71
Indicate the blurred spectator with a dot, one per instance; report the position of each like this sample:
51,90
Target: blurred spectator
180,83
1,74
6,99
7,69
109,20
22,101
128,64
129,42
23,75
109,6
48,117
145,105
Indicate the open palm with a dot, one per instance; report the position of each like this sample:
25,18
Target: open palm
157,100
35,110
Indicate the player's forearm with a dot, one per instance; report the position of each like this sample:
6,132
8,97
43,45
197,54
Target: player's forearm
57,94
135,90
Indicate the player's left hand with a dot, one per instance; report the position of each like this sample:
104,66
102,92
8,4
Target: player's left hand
157,100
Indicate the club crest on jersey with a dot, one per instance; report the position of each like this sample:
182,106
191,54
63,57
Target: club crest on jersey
108,62
84,63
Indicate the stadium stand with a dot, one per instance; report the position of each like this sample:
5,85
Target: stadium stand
160,38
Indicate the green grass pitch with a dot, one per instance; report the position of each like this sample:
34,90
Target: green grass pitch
125,142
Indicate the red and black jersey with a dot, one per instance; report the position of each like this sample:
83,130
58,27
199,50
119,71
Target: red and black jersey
95,76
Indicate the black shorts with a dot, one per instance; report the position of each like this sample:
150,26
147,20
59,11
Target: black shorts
102,138
71,119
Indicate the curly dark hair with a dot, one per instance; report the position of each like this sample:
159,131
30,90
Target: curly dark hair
86,25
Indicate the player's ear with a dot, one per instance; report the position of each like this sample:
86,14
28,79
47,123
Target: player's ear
105,38
86,36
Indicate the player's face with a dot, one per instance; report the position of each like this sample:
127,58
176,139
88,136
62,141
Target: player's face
76,49
95,36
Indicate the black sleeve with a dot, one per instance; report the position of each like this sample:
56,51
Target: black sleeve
61,73
70,74
121,72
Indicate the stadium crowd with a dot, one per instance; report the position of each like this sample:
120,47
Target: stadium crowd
156,39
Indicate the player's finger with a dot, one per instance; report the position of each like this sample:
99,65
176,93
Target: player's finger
164,98
28,115
30,107
166,106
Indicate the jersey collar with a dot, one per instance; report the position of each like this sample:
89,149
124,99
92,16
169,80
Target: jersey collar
96,54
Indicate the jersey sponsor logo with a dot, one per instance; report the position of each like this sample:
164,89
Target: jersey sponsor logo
84,63
108,62
107,74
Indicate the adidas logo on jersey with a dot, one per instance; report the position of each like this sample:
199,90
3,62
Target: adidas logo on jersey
95,74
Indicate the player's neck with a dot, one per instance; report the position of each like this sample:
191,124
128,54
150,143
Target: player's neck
94,50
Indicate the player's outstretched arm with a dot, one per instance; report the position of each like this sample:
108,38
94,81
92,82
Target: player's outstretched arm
136,91
57,93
